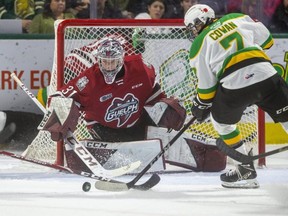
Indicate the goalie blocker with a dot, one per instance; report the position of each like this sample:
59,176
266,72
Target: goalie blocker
167,113
62,115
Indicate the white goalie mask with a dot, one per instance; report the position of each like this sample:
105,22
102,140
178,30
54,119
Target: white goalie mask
110,56
196,18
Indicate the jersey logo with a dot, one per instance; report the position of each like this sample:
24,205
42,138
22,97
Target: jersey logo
82,82
105,97
122,109
248,76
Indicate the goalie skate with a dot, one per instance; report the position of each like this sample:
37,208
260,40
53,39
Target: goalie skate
244,176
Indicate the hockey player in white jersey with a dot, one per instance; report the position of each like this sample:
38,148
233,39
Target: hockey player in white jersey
233,73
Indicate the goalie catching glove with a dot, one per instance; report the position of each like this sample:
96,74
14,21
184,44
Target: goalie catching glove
62,116
167,113
200,109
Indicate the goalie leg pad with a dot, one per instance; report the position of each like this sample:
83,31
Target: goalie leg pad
208,157
189,154
111,155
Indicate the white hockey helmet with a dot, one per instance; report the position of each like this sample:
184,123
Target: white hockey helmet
196,18
110,57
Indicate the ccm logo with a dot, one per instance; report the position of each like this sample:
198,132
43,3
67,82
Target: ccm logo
284,109
86,157
95,145
198,137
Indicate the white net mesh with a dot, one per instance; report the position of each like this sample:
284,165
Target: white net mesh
165,47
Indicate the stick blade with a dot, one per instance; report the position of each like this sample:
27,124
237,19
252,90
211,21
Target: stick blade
111,186
120,186
150,183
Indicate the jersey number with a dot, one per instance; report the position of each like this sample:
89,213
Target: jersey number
232,38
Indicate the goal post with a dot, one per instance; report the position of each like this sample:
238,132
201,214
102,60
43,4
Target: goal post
162,43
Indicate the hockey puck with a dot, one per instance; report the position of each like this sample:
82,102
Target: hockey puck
86,186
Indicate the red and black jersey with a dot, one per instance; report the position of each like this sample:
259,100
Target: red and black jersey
116,105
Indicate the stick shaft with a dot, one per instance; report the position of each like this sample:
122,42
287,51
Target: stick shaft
26,90
238,156
266,154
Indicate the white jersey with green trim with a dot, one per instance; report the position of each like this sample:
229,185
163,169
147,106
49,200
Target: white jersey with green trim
230,51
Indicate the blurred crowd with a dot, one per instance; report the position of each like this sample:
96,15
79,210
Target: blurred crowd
38,16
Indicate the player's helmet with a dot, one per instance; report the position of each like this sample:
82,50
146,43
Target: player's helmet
110,57
197,18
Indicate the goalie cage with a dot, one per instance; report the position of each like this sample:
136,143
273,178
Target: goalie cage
163,44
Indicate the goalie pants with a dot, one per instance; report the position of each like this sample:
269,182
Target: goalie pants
271,95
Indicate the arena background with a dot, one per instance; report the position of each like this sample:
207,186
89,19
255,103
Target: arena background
31,58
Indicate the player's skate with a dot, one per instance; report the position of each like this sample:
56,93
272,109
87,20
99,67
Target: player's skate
244,176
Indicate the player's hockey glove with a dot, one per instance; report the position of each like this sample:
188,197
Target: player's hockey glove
62,116
200,109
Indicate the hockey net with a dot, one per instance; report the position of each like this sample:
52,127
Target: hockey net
162,43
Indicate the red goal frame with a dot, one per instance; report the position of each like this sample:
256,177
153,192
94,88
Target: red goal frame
60,45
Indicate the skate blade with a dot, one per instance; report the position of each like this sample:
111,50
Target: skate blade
243,184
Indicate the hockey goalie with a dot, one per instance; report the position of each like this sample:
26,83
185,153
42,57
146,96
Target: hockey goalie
122,104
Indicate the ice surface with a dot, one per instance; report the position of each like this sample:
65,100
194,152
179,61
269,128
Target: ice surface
33,190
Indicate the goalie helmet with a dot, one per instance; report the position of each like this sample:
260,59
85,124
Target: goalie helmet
197,18
110,57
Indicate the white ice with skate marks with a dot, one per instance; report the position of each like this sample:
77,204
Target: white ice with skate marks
32,190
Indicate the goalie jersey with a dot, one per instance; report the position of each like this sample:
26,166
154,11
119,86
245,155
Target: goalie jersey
117,105
225,51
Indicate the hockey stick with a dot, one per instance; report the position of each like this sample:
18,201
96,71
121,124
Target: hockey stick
112,186
238,156
28,92
145,186
35,161
88,159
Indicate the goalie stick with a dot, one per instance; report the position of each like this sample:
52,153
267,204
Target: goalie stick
238,156
78,148
117,186
35,161
145,186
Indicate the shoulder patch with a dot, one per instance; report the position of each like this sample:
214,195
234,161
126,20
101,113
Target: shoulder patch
82,82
